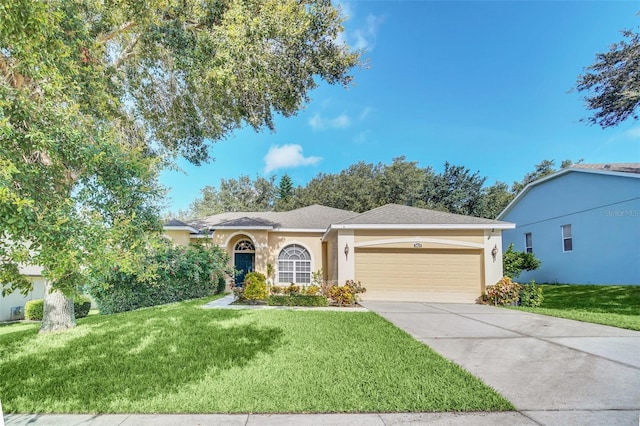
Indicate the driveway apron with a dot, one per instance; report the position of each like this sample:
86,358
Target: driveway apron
554,370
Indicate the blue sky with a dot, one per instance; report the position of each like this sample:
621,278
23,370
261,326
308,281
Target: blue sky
481,84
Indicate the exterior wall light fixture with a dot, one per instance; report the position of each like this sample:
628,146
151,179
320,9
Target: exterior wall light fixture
494,252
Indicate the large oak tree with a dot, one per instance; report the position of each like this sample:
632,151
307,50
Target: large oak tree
612,83
96,96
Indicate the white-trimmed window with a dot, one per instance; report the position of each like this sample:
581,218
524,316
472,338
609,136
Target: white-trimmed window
528,242
567,239
294,265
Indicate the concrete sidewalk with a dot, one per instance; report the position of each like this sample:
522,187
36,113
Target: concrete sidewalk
555,371
373,419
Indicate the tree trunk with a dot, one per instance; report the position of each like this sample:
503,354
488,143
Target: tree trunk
58,313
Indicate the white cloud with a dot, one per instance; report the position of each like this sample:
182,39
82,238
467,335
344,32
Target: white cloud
283,156
365,113
363,35
347,10
340,122
364,38
362,137
317,122
633,133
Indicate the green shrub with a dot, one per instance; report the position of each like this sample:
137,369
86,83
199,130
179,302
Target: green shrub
255,275
182,273
317,279
255,287
514,262
33,310
341,295
531,295
222,283
238,293
356,288
297,300
504,292
292,289
346,294
81,306
274,289
312,290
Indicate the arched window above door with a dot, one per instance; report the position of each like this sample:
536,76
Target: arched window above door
244,245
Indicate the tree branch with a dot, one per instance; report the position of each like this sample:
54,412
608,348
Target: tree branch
13,78
113,33
126,52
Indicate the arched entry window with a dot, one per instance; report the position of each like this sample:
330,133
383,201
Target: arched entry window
244,245
294,265
244,259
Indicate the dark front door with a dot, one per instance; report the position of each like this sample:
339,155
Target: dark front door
244,263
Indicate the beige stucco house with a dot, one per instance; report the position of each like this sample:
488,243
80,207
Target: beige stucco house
397,252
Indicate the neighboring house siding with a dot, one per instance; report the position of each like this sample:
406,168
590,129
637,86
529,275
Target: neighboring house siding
17,299
604,214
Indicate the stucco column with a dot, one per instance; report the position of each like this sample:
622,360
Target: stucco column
346,264
492,267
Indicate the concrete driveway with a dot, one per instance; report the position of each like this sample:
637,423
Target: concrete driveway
555,371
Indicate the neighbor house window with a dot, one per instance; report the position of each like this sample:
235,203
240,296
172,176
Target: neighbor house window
294,265
567,240
528,243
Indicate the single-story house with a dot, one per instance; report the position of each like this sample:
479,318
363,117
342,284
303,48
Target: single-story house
583,223
12,305
397,252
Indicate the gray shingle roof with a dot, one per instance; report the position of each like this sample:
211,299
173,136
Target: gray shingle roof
396,214
610,167
175,222
310,217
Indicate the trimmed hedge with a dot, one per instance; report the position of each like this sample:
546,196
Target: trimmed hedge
81,306
297,300
33,309
183,273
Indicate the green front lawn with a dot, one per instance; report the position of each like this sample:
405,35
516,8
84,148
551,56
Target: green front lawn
182,359
614,305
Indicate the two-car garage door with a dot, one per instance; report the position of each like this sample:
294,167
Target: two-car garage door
447,275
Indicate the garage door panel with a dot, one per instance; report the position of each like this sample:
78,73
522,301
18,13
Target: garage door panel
419,275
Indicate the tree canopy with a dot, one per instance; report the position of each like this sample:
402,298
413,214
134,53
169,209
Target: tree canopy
284,194
95,97
612,83
365,186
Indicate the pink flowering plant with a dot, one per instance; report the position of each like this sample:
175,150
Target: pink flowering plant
504,292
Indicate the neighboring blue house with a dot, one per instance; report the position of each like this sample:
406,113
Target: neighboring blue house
583,223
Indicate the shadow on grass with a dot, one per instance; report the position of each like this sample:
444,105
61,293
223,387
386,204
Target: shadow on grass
125,357
623,300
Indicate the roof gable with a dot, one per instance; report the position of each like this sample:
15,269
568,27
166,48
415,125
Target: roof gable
626,170
314,217
396,214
